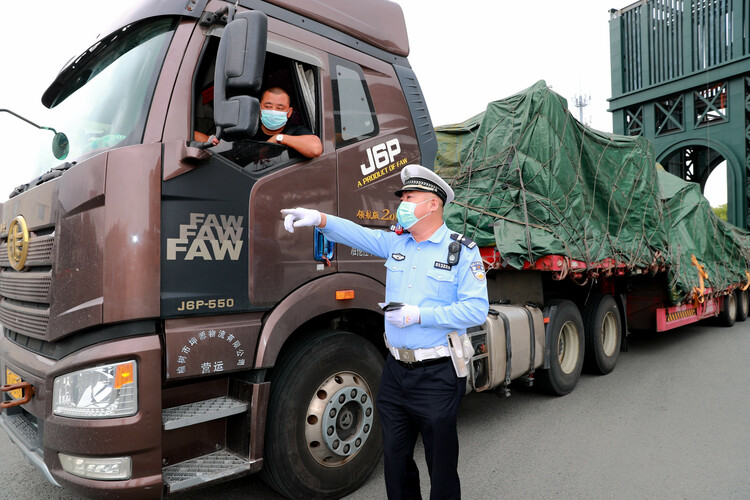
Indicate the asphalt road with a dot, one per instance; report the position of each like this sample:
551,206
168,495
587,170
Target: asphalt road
671,421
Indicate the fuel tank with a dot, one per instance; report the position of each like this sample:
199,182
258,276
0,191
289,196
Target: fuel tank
509,345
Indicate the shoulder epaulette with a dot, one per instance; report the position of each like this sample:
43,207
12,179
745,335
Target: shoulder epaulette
464,240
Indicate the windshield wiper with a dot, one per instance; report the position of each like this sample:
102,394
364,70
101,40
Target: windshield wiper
55,172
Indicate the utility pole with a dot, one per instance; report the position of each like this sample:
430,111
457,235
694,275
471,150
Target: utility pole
581,102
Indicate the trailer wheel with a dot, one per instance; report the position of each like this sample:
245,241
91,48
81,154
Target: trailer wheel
601,321
323,437
728,313
566,343
743,304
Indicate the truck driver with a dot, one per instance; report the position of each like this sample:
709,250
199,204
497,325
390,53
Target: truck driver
275,110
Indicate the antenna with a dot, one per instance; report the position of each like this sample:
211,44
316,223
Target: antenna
581,102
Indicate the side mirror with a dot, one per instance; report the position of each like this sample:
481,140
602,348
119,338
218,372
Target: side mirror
60,146
60,143
239,69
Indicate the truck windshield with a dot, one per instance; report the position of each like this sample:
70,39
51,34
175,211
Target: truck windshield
102,99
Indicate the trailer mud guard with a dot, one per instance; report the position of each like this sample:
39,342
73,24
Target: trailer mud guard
549,311
622,303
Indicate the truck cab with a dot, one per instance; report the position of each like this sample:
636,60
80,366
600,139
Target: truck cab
161,331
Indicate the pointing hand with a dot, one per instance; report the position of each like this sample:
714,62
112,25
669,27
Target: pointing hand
299,217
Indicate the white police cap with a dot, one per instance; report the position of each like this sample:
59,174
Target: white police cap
419,178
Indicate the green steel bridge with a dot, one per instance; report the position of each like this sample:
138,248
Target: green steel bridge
681,78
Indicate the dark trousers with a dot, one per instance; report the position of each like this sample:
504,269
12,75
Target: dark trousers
424,401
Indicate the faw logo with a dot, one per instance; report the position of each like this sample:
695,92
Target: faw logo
207,237
18,243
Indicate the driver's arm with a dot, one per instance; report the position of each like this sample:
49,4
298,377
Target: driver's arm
307,145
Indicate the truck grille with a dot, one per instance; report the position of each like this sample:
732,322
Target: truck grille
23,319
30,287
40,251
25,295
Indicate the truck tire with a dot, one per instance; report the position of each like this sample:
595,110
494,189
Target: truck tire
743,304
601,322
323,437
728,313
566,344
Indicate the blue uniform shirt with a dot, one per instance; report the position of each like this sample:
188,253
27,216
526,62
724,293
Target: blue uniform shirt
449,298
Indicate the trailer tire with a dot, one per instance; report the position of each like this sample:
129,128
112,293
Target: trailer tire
601,322
743,304
566,341
323,437
728,313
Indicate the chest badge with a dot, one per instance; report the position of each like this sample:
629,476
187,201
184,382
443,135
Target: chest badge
398,256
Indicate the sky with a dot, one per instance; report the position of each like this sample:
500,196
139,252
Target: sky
464,58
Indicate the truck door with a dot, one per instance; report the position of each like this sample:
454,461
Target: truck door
222,233
374,139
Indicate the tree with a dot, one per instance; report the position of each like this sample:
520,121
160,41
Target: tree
721,211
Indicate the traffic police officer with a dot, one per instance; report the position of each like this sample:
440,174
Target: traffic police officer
435,285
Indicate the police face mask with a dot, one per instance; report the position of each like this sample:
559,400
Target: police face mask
406,216
272,119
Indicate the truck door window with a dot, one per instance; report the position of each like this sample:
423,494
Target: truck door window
298,79
353,113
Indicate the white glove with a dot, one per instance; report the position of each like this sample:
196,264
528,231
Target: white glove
299,217
404,316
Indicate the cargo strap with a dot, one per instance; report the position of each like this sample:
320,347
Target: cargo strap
702,274
413,355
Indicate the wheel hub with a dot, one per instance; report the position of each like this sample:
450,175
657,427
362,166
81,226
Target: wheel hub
345,420
567,347
339,419
609,334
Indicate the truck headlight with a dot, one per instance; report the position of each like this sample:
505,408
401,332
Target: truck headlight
101,392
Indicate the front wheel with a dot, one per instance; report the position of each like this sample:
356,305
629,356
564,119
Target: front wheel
323,436
566,344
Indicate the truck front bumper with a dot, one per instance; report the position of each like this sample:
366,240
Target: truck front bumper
26,437
42,435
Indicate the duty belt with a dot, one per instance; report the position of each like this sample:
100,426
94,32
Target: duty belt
414,355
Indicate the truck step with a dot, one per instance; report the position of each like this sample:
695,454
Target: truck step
202,470
201,411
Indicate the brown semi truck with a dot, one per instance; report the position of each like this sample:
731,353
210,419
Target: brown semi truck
161,330
167,330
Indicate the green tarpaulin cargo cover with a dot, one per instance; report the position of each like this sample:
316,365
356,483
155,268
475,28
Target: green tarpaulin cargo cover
534,182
